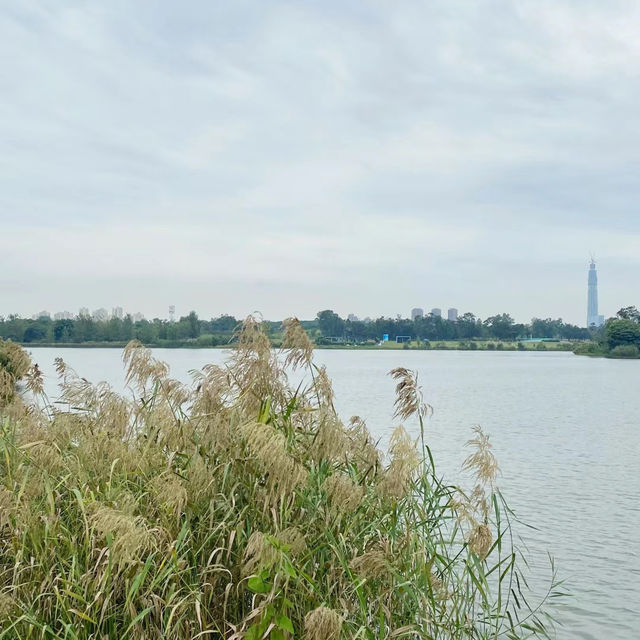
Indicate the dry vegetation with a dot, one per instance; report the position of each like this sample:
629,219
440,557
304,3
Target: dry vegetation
240,507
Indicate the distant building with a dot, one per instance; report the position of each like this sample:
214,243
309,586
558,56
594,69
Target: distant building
352,317
41,314
417,313
83,313
137,317
63,315
452,314
100,315
172,313
593,319
436,312
117,312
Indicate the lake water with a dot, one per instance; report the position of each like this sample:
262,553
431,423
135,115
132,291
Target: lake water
565,430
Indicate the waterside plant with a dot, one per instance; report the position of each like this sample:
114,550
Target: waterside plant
242,507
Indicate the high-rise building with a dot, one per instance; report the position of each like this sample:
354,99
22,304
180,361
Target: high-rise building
436,312
117,312
63,315
452,314
100,314
83,313
417,313
593,319
352,317
172,313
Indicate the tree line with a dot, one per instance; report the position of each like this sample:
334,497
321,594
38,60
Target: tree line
326,327
432,327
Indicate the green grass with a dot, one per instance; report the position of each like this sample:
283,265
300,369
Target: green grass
241,507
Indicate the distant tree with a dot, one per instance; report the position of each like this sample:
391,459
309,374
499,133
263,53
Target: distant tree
63,330
622,332
629,313
330,323
502,327
193,324
33,333
469,326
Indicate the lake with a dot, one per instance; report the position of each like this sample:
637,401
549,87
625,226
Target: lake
565,430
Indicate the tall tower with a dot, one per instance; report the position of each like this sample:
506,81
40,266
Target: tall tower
593,319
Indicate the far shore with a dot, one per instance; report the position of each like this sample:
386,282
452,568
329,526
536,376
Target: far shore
441,345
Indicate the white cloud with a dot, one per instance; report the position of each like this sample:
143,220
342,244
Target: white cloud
379,155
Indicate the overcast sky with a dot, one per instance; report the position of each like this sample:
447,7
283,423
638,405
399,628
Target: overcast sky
287,157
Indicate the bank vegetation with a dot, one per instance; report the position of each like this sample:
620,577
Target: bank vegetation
241,506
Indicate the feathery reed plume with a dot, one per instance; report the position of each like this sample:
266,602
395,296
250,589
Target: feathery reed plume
141,366
61,367
14,359
330,442
363,449
269,446
260,553
131,535
322,387
482,462
35,380
7,384
293,540
264,551
254,369
6,506
297,344
409,400
374,563
322,624
7,605
404,462
344,496
168,490
480,540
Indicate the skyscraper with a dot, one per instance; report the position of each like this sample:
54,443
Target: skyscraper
593,319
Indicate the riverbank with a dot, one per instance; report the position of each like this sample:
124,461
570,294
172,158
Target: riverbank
441,345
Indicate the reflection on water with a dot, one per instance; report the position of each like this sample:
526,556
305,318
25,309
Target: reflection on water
564,429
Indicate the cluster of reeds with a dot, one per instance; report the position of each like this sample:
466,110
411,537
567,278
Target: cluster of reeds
14,365
241,507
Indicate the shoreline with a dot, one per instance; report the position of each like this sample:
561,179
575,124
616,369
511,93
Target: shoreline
439,346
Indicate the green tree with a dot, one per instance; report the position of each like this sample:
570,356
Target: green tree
330,323
629,313
622,332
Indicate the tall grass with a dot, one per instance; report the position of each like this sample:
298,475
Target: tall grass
242,507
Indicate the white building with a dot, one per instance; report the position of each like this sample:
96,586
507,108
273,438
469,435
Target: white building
100,315
83,313
117,312
417,312
436,312
452,314
137,317
41,314
63,315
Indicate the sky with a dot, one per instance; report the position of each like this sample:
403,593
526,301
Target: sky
287,157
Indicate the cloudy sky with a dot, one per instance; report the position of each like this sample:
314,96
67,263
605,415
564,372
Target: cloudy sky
288,157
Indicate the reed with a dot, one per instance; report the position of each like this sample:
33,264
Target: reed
242,507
